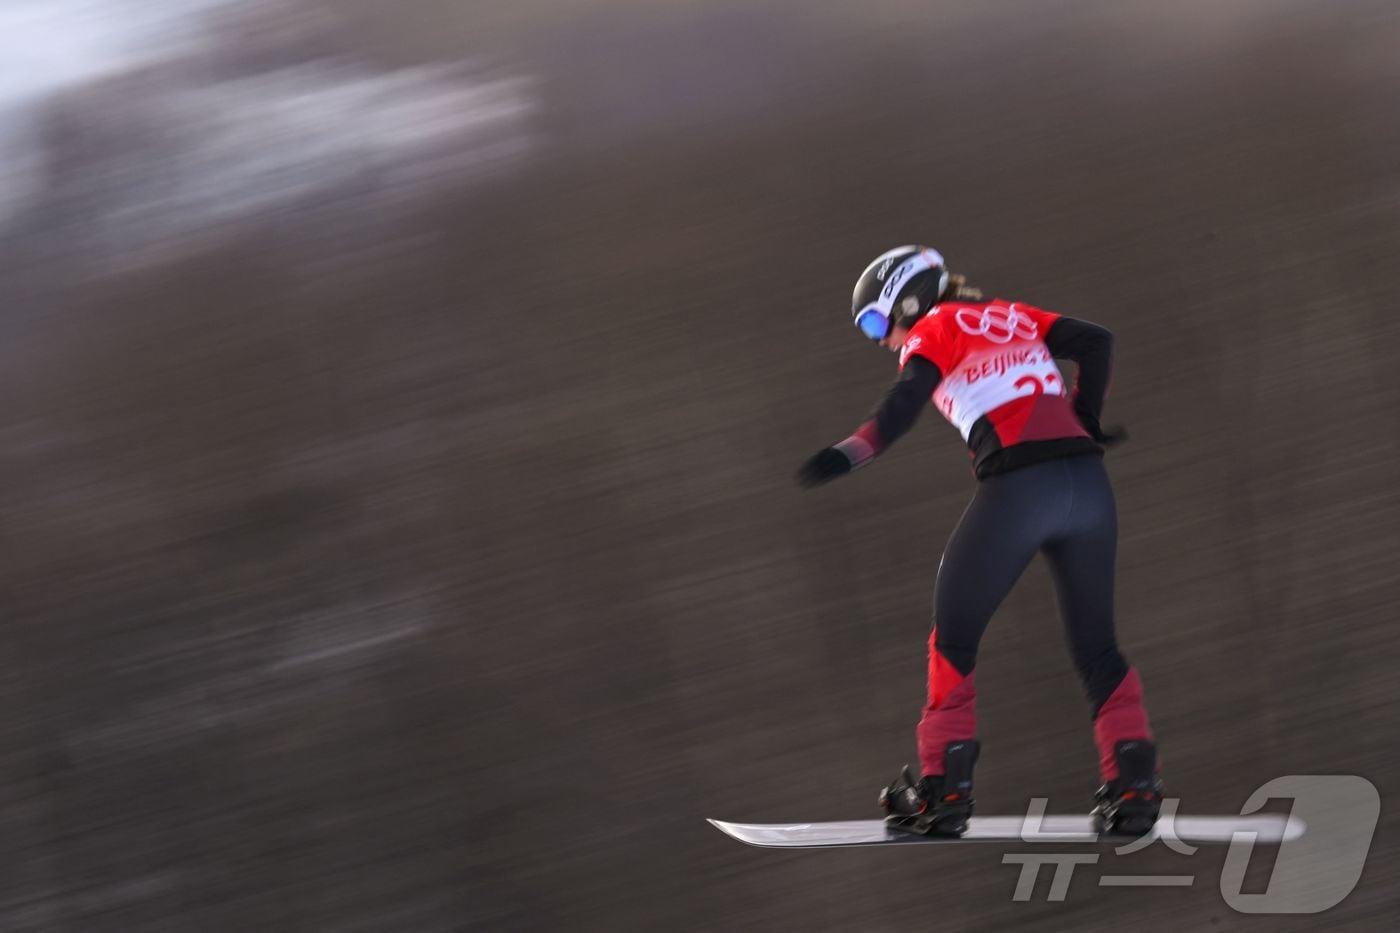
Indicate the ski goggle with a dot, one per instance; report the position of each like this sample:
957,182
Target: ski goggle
873,323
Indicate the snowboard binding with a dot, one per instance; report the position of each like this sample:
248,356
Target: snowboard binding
935,804
1128,805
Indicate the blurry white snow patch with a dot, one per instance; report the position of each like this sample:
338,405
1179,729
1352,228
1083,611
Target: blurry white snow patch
136,123
200,157
48,44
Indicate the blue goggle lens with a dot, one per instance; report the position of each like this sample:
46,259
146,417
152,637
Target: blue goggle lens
873,324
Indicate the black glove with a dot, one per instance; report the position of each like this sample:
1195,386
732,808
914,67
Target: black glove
823,467
1114,435
1108,437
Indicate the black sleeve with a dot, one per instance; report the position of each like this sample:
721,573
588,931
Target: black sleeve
902,405
1091,348
906,399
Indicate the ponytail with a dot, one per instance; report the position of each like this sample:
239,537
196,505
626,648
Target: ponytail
959,290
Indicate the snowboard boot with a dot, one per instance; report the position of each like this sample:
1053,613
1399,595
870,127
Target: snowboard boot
935,804
1128,805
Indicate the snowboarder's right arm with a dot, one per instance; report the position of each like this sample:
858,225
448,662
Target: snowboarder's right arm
895,415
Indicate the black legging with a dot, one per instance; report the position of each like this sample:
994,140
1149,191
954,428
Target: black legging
1064,509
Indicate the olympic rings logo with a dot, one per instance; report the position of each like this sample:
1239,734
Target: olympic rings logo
997,324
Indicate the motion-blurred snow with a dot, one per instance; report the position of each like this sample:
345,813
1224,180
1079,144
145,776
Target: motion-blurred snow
130,124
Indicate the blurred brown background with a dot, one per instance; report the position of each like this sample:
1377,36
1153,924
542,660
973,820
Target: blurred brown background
401,403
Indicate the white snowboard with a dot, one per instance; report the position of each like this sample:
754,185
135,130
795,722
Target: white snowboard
1268,828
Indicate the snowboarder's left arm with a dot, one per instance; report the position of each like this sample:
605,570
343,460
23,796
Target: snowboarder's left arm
1090,347
894,416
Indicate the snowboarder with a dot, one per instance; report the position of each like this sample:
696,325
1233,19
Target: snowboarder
1037,453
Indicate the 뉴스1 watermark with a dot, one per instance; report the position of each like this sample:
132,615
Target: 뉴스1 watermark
1323,847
